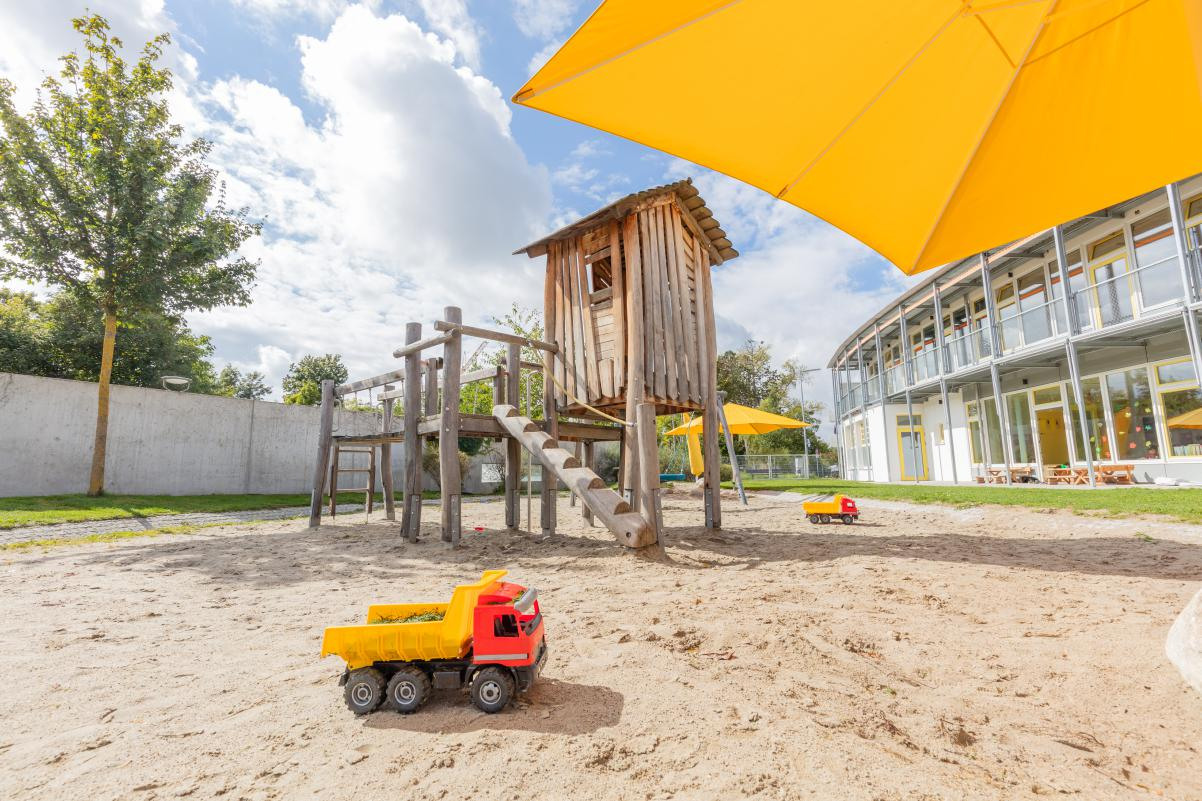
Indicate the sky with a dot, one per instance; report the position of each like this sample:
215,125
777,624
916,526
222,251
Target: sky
376,142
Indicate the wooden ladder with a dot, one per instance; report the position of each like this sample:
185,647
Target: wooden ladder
336,469
611,508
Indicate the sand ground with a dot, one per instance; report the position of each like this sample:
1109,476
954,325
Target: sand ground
925,653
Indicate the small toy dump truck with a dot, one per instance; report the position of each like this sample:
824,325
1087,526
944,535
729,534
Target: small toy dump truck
839,507
489,638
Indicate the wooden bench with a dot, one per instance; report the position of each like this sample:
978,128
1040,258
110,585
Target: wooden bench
1116,473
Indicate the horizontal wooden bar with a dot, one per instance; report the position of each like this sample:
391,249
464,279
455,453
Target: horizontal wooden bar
496,336
420,345
586,432
396,376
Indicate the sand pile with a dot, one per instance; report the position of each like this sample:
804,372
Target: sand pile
923,653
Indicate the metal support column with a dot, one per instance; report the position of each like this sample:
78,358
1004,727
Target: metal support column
1074,372
838,421
1191,291
880,361
995,352
1070,349
941,344
908,377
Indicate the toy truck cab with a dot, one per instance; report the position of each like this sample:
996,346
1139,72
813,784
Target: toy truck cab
489,638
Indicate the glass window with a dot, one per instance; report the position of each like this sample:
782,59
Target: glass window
1022,442
1076,284
1175,372
1131,409
993,432
1032,301
1109,245
1183,420
1095,421
974,440
1156,257
905,421
1047,395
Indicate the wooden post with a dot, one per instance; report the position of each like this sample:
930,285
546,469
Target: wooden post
712,457
386,458
591,463
411,511
451,482
513,449
649,468
578,452
325,430
547,492
635,362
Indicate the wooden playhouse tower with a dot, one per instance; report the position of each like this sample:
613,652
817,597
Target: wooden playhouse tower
629,335
629,306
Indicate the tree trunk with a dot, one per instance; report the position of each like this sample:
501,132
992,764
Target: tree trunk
100,445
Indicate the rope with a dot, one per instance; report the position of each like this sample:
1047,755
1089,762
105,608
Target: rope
593,409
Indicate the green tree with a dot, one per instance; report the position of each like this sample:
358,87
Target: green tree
747,376
233,383
302,382
63,338
100,195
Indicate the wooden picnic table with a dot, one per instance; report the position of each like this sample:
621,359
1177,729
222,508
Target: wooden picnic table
1073,476
1116,473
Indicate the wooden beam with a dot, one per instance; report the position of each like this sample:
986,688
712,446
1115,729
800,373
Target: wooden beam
451,483
513,450
617,272
411,505
324,429
418,347
386,458
496,336
635,359
587,432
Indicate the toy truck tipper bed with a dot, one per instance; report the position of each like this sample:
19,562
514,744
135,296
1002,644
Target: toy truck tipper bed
489,638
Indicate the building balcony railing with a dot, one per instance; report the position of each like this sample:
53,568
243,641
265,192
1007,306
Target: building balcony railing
1030,326
968,348
1128,296
925,363
895,379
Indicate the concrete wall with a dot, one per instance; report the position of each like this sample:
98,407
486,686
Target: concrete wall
169,443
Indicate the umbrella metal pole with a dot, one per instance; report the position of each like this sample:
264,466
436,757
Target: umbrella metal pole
730,447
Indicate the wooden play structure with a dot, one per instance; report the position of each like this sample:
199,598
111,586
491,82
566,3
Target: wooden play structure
629,327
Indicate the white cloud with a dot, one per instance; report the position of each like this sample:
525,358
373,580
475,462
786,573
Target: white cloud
542,56
408,196
323,10
543,19
452,20
590,148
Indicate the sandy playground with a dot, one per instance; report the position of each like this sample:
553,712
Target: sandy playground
926,653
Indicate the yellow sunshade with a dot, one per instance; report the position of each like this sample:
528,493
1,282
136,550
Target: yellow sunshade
742,420
928,129
1191,419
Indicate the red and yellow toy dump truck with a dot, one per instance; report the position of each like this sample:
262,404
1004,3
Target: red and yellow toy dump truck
489,638
840,507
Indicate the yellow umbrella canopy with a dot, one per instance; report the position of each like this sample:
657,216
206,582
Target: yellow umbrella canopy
742,420
928,129
1191,419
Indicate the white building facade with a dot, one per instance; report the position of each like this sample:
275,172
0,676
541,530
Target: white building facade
1009,366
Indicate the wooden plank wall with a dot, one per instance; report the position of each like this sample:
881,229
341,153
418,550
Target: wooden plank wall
591,329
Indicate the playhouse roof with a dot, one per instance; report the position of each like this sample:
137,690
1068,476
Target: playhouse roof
690,200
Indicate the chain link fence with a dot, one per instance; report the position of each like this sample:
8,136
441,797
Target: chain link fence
787,465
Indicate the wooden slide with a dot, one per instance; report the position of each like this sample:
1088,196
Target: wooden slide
611,508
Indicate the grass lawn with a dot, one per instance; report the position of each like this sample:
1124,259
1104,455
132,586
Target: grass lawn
47,509
1182,504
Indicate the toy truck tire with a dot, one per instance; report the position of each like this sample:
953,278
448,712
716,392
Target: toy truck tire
848,520
824,518
408,690
813,519
492,689
364,690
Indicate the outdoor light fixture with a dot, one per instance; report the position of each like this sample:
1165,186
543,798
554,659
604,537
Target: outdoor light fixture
176,383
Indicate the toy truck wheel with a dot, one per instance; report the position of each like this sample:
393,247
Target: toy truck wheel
848,520
825,518
813,519
492,689
408,690
364,690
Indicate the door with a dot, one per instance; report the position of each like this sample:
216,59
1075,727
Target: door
912,449
1053,438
